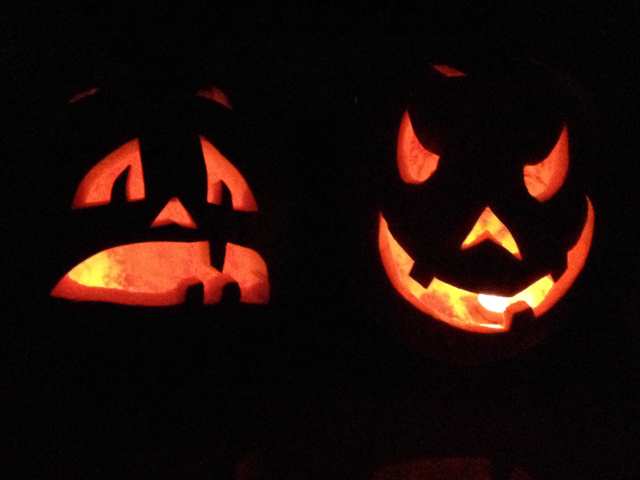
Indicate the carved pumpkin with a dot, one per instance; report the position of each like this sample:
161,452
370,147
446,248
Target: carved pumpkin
486,222
183,251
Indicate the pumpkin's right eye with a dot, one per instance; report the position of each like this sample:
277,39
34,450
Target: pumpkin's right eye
96,186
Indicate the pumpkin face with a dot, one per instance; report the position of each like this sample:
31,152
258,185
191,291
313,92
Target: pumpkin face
186,222
487,224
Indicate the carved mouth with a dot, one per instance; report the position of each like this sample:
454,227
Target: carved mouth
475,311
159,273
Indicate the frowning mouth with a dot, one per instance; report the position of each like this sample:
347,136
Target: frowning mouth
475,311
159,274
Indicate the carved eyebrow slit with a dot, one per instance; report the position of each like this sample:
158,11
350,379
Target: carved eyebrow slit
545,178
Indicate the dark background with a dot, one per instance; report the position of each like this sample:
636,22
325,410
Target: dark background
309,387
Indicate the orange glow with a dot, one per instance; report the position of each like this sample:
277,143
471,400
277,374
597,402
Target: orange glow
174,212
95,188
478,312
415,162
159,273
83,94
448,71
545,178
247,268
219,170
215,94
489,227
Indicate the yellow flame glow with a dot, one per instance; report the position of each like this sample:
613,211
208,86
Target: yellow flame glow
478,312
489,227
101,270
158,273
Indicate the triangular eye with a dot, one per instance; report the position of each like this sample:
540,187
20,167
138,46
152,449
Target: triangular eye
415,163
219,170
545,178
97,185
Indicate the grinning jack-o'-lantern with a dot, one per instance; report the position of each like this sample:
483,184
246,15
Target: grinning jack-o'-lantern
486,223
159,272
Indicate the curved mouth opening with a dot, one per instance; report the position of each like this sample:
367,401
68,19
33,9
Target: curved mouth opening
476,311
159,274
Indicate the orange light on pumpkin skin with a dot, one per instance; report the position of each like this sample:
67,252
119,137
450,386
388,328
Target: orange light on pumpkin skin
415,163
96,186
489,227
159,273
478,312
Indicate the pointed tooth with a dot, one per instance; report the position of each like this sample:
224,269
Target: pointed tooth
230,294
519,316
422,274
560,267
194,296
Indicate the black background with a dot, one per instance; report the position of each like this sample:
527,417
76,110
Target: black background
309,387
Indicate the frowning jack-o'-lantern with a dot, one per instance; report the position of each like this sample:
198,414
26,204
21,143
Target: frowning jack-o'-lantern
173,189
486,225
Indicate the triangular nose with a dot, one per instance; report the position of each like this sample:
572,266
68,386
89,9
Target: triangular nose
174,212
489,227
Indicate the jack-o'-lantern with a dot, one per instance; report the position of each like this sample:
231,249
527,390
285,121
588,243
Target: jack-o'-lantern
176,207
484,225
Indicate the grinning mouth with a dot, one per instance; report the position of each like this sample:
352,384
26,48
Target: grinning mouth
475,311
159,274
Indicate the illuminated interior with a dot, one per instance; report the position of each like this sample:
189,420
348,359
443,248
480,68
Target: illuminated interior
215,94
478,312
219,170
159,273
489,227
416,163
174,212
448,71
545,178
95,188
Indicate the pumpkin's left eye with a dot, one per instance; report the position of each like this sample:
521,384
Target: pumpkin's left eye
97,185
415,163
545,178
